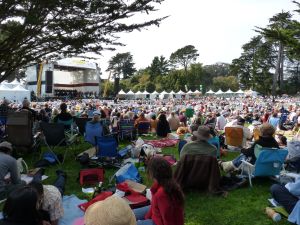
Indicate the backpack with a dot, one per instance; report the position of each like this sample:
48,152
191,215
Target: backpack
91,176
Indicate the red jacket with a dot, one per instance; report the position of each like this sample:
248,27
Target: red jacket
163,211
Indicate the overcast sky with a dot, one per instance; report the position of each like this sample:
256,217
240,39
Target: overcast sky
217,28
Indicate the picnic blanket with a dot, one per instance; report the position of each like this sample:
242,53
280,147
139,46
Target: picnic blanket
71,210
163,143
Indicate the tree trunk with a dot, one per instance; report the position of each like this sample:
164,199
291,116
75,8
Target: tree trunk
277,72
281,65
116,86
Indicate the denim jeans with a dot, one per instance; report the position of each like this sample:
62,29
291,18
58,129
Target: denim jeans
238,160
140,216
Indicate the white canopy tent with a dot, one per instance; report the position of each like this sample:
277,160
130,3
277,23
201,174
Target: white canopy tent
121,92
130,92
210,92
240,92
197,92
251,93
190,92
219,92
12,84
229,92
18,93
154,95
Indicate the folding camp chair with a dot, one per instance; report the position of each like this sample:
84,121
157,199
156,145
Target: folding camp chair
234,136
269,163
81,122
93,130
215,141
106,147
54,136
19,131
126,128
143,127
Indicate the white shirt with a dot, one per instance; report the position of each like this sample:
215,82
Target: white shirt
221,122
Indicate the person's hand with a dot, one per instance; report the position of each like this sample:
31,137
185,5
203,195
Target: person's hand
46,223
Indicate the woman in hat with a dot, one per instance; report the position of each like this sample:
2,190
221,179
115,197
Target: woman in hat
111,211
167,198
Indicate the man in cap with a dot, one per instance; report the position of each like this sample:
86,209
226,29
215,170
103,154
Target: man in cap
8,164
200,146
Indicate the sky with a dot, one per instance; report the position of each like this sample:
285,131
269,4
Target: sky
217,29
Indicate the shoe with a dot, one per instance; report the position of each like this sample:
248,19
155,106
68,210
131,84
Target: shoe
228,166
61,173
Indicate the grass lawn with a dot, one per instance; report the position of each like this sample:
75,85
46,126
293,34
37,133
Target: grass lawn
241,207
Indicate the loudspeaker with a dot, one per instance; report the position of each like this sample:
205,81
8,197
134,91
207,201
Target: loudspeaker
49,81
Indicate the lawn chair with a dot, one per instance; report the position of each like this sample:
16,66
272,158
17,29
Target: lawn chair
126,129
215,141
143,127
93,130
234,136
54,136
106,147
19,131
81,122
269,163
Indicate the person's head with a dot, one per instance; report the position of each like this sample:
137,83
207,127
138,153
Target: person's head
274,114
267,130
142,115
96,115
160,171
241,121
63,107
22,206
153,117
111,211
6,147
26,103
162,117
282,140
202,133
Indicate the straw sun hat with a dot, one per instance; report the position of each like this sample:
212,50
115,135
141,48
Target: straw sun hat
111,211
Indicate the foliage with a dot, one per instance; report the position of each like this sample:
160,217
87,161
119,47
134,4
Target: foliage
184,57
31,31
121,65
254,65
159,66
225,83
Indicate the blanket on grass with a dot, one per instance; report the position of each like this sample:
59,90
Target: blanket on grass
163,143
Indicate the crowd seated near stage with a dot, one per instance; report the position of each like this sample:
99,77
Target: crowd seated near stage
204,128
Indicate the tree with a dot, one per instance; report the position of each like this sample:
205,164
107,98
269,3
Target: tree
225,83
159,66
254,66
121,65
184,57
31,31
278,22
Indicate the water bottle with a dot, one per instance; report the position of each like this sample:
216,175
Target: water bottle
272,214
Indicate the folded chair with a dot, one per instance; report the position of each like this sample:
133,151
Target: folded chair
126,129
268,163
143,127
93,130
19,131
54,136
234,136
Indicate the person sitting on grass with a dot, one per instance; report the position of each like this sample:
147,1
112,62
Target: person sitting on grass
163,127
21,208
199,145
8,164
266,139
288,196
167,197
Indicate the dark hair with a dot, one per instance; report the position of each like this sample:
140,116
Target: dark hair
5,150
38,187
153,117
283,139
63,107
162,117
159,169
21,206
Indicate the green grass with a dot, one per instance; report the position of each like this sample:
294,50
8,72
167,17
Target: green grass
241,207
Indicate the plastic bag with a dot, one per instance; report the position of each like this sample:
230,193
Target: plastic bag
128,172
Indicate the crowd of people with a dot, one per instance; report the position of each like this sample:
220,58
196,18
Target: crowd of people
202,118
